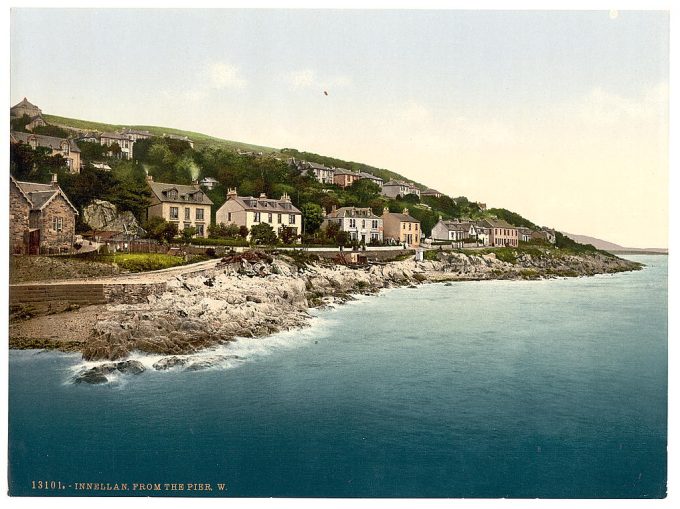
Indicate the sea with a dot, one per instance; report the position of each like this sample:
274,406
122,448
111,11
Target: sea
522,389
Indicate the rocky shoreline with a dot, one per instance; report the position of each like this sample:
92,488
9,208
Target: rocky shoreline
255,294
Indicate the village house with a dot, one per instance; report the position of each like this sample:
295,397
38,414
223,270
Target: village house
345,178
320,172
182,138
372,178
41,218
502,233
401,228
209,183
91,137
452,229
58,146
136,134
525,234
545,235
395,188
249,211
361,224
431,192
123,140
480,231
184,205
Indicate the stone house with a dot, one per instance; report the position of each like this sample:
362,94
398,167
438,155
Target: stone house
395,188
249,211
58,146
41,218
361,224
320,172
185,206
401,228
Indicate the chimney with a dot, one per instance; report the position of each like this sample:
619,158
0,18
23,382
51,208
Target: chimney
405,212
285,198
263,196
231,193
333,208
149,178
386,210
440,217
194,182
54,180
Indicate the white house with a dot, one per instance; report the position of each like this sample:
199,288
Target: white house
249,211
395,188
361,223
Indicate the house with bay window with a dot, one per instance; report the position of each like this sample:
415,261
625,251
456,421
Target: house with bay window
361,224
184,205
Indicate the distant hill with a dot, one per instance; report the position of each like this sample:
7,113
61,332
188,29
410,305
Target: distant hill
610,246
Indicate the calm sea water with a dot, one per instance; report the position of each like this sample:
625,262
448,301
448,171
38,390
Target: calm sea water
479,389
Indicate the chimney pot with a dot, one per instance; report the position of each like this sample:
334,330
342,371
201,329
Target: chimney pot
149,178
54,180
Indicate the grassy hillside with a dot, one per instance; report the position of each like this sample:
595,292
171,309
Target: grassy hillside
200,140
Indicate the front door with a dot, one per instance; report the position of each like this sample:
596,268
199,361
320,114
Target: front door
34,242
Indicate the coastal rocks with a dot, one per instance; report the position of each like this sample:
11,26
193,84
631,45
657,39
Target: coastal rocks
169,362
97,375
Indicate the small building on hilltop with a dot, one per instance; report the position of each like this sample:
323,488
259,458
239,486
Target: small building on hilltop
42,220
401,228
361,224
24,108
184,205
58,146
249,211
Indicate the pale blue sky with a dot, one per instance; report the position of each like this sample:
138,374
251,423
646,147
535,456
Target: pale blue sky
517,109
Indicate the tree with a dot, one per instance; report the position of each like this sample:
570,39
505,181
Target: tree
365,190
342,238
263,234
312,217
288,235
188,233
160,229
243,231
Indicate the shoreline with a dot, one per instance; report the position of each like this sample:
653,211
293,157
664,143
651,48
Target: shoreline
258,295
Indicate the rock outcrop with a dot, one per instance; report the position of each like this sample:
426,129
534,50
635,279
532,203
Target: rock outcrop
103,215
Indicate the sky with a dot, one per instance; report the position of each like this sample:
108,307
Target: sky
561,116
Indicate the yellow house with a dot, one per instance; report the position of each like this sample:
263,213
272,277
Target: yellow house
58,146
402,228
180,204
249,211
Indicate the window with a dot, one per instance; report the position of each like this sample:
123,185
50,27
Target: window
58,224
375,223
278,219
229,216
415,227
187,214
409,225
199,215
198,197
174,212
200,230
352,223
257,217
291,219
374,236
363,223
270,219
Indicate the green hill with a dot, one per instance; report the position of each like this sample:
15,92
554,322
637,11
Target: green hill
200,140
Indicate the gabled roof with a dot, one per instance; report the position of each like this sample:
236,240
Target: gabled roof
40,195
362,212
343,171
43,141
265,204
24,104
499,223
404,218
367,175
185,194
429,190
456,225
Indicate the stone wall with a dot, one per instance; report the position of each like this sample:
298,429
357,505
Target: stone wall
55,241
19,211
132,293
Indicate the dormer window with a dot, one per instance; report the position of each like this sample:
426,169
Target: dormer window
172,194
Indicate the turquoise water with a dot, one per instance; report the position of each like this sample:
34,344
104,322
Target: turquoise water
479,389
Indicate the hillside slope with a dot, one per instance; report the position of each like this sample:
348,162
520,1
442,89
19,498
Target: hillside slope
610,246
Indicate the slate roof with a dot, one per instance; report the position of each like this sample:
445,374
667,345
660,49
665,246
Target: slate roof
429,190
39,195
499,223
457,225
43,141
365,213
265,204
404,218
114,136
185,194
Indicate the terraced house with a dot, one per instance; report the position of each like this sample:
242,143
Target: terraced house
186,206
361,224
249,211
42,220
402,228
